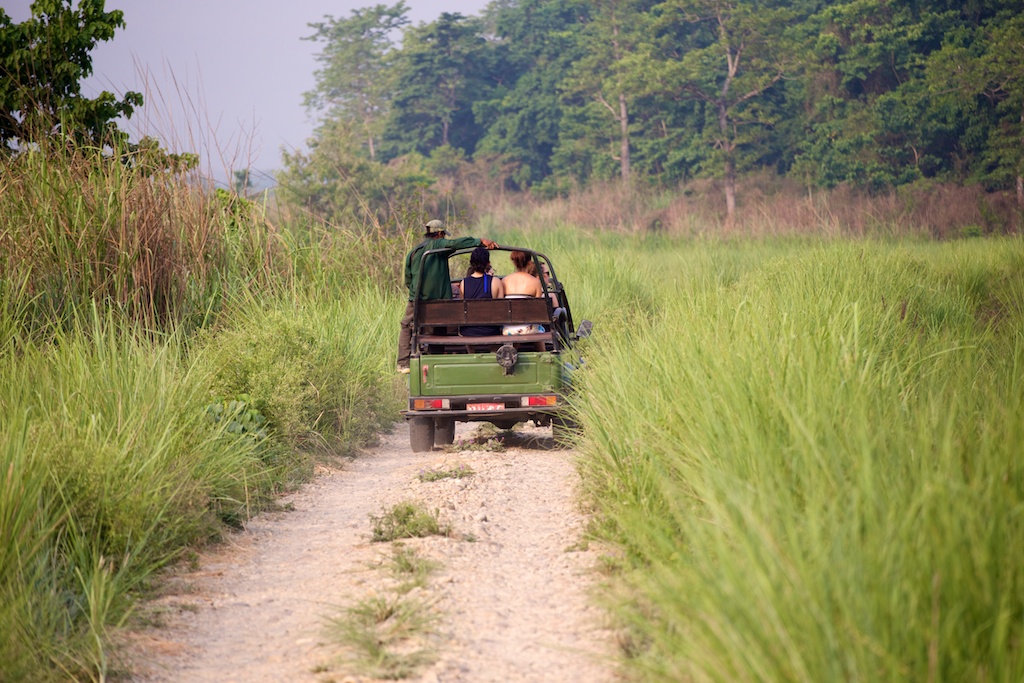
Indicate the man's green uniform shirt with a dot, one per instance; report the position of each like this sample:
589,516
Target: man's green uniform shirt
436,278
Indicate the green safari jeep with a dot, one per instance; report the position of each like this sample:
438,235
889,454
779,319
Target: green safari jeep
503,379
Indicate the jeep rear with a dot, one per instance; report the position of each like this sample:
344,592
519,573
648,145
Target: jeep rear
502,379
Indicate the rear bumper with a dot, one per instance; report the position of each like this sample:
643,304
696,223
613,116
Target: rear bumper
482,415
484,407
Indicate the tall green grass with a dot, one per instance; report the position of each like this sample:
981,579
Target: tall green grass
317,363
814,469
111,466
110,470
806,451
148,328
78,226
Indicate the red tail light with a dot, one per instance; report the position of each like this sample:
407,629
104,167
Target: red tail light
531,401
430,404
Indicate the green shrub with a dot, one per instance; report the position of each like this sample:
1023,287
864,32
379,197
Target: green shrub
268,356
406,520
312,366
238,417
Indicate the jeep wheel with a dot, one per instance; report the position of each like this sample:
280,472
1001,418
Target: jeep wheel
444,431
421,434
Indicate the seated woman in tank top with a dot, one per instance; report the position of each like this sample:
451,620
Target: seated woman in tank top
521,285
478,284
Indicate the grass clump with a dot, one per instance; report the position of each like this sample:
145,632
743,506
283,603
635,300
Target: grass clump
388,636
409,568
459,471
487,439
311,365
406,520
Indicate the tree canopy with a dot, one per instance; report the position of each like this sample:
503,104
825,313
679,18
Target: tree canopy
553,93
43,61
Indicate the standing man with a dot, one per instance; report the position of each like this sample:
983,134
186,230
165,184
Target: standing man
436,278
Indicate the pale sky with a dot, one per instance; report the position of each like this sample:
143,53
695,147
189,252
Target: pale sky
223,78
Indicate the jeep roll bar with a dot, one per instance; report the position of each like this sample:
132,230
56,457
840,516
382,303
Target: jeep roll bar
539,260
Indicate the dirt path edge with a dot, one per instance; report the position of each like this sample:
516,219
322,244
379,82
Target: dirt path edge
514,587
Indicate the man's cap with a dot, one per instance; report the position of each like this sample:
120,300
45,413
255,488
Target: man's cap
434,226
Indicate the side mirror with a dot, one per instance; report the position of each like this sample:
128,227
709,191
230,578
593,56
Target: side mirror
585,329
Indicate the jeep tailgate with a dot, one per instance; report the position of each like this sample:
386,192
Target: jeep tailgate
453,375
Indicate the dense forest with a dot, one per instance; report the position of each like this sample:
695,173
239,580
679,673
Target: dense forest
551,95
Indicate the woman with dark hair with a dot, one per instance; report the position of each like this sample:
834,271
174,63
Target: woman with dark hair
478,284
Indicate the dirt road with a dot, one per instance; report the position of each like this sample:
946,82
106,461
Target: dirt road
512,587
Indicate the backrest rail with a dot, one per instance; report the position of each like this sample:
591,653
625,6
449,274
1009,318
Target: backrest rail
483,312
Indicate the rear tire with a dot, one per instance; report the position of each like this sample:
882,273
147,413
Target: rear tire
444,431
421,434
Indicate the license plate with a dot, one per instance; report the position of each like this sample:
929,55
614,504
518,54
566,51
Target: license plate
472,407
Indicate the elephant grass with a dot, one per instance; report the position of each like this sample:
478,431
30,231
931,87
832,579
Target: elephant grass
112,467
813,471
